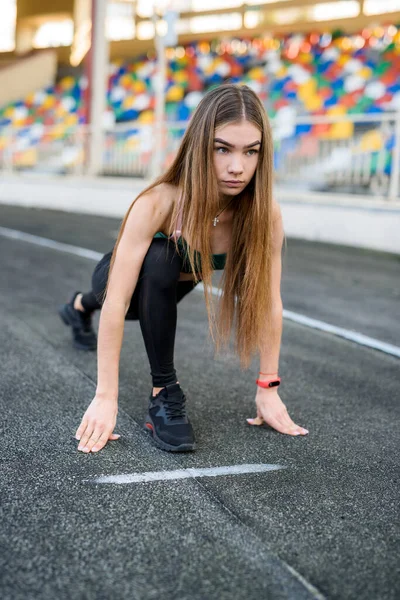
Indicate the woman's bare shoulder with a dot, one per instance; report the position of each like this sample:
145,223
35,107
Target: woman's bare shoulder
276,210
163,196
165,193
278,233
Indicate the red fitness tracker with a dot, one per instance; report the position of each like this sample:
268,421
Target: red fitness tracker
269,383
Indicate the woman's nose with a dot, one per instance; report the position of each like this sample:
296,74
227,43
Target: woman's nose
235,166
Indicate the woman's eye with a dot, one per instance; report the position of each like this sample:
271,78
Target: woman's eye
221,148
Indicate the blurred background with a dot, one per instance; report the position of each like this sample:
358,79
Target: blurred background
94,98
106,88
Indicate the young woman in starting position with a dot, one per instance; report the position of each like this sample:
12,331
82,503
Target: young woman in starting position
212,209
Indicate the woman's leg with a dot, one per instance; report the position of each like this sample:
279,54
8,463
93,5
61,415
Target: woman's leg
184,288
94,299
154,304
80,321
77,313
156,296
157,293
87,302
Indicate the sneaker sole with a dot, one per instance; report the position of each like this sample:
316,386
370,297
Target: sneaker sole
149,427
66,321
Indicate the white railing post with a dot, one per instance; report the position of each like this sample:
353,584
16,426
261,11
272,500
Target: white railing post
8,151
98,87
156,166
395,173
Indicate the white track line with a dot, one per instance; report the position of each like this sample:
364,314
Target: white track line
186,473
191,473
353,336
46,243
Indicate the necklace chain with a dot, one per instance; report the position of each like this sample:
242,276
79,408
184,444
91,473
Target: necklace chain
216,220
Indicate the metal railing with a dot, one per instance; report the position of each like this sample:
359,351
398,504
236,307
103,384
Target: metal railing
349,153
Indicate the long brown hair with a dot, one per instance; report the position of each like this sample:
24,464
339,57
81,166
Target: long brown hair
245,302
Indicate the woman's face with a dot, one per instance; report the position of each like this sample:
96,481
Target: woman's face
236,149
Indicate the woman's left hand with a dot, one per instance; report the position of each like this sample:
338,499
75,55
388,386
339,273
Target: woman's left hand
271,410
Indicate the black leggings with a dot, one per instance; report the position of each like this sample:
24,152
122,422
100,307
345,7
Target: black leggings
154,304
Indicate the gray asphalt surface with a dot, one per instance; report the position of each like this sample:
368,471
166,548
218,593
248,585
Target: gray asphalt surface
325,526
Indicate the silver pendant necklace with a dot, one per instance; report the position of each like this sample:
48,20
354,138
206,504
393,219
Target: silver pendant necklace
215,219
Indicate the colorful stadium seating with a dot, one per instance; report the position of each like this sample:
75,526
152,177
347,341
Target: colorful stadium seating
328,74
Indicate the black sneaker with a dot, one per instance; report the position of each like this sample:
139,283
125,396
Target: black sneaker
167,421
83,335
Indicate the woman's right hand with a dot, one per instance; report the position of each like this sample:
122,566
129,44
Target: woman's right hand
97,424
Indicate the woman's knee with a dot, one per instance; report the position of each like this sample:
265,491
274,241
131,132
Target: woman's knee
161,265
100,277
161,268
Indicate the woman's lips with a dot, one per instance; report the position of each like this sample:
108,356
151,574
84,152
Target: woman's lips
233,183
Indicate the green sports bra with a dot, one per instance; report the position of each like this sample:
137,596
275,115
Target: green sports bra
219,260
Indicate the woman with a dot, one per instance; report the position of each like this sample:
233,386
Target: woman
212,209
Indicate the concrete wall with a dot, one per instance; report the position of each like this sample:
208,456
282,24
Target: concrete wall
40,8
26,75
363,222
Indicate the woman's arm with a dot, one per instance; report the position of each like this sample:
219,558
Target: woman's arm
146,218
270,408
269,355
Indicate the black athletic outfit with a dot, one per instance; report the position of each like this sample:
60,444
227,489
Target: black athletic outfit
154,304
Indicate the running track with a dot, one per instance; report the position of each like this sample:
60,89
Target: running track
321,519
